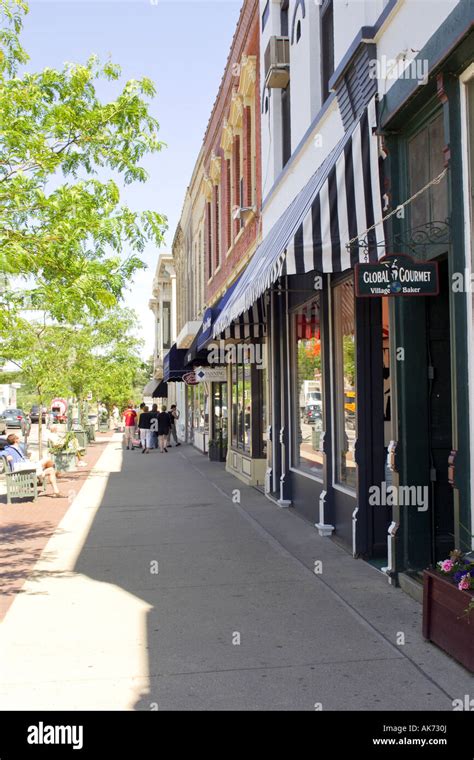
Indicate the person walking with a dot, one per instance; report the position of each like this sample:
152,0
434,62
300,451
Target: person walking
174,415
144,424
163,429
154,426
139,412
129,424
115,417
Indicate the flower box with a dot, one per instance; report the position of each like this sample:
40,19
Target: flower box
65,461
445,620
82,438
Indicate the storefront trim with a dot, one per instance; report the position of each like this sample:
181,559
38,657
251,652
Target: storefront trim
447,38
466,77
307,475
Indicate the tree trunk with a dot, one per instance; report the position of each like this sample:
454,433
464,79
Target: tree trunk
40,428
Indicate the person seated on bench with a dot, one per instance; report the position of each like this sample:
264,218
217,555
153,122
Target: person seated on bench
17,461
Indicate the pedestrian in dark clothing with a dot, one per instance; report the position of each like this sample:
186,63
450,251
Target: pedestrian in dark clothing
163,429
154,425
144,424
174,415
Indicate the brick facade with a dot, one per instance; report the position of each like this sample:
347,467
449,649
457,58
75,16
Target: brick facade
242,162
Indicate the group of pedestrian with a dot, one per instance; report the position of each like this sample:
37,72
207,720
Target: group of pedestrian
154,428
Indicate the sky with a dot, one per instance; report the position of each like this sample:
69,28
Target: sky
182,45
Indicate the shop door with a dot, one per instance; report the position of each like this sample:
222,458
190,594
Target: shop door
440,417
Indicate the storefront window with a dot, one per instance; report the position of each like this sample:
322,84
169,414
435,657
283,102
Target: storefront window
345,400
220,411
242,407
235,396
190,412
307,391
201,408
263,379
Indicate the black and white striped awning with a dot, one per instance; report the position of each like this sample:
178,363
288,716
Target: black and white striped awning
250,324
341,201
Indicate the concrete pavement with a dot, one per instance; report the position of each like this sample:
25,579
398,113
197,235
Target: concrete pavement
171,585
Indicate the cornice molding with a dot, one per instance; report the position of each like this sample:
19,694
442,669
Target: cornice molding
215,169
227,139
207,187
248,78
236,112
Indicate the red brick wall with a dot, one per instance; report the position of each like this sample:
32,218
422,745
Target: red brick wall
207,265
226,210
246,41
236,180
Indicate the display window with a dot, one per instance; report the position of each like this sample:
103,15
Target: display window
345,394
307,389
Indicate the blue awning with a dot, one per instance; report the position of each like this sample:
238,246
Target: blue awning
194,355
173,365
210,316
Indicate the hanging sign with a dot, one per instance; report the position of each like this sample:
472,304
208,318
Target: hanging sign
190,378
211,374
397,275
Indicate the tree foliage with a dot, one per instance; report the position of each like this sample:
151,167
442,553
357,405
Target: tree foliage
68,245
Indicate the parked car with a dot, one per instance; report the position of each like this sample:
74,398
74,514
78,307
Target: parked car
3,443
34,414
56,418
16,418
312,412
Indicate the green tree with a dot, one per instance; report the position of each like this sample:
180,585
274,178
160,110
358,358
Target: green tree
100,357
349,360
42,355
106,358
309,362
68,244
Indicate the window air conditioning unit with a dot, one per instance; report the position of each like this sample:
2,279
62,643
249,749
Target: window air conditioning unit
277,63
240,212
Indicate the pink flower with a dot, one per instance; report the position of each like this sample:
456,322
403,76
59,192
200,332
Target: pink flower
446,566
464,583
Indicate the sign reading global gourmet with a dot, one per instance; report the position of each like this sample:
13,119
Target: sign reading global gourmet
397,275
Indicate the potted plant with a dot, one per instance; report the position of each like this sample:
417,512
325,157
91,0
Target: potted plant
448,607
65,453
103,421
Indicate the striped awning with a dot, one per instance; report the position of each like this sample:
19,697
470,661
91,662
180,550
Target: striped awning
250,324
339,203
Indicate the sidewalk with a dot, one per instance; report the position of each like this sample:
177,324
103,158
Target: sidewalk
25,527
235,617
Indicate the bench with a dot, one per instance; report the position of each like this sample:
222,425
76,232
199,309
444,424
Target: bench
22,484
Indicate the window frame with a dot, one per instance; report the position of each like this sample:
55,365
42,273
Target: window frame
326,12
336,483
294,393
